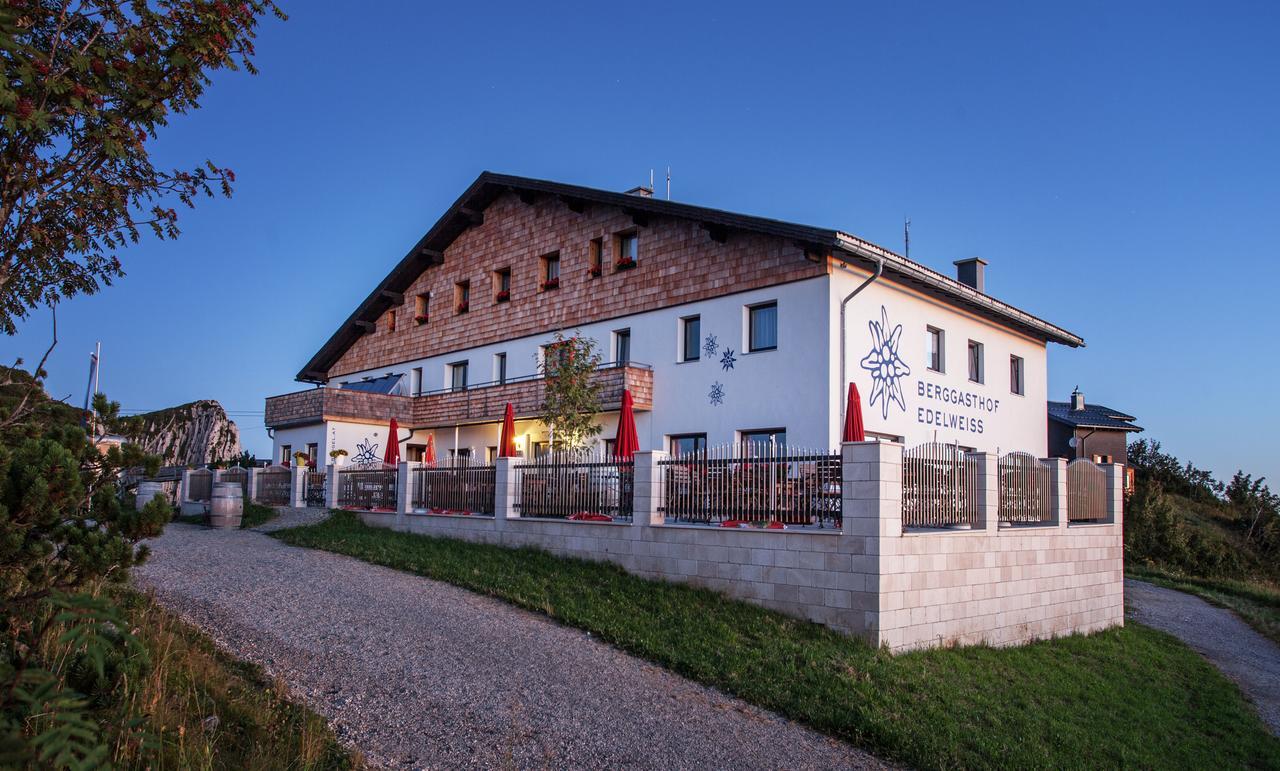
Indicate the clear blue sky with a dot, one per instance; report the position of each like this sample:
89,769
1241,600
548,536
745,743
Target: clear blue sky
1118,164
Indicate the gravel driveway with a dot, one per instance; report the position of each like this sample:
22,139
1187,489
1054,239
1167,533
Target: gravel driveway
1249,659
419,674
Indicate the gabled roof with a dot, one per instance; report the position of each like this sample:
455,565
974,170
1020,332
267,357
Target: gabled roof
1092,416
468,210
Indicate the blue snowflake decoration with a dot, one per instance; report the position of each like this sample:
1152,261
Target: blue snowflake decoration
716,395
727,359
885,364
366,453
711,346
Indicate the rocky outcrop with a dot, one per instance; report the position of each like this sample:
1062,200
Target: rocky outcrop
190,434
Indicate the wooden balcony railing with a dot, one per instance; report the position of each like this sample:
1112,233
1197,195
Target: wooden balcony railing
481,403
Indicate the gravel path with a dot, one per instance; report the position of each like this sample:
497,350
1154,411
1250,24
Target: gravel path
1243,655
419,674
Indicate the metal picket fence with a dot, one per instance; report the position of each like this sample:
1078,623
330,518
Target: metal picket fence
1026,493
454,485
373,489
313,488
939,487
590,486
753,483
1086,491
275,486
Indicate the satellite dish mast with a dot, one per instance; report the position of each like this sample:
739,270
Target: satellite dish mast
906,237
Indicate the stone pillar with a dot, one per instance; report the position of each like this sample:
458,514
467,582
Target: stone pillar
871,488
504,491
1115,492
184,486
404,492
251,484
987,487
331,473
297,497
1057,490
647,489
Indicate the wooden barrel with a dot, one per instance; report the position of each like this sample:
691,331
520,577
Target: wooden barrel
147,491
226,506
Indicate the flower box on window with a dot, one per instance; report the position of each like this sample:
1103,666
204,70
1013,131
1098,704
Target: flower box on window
624,263
421,318
594,271
551,283
463,307
502,296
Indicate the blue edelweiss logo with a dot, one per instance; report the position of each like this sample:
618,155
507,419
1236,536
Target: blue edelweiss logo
885,365
366,453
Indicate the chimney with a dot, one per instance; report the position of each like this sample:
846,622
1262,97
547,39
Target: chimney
1077,400
642,191
971,272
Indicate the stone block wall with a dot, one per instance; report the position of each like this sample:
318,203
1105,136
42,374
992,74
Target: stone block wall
996,585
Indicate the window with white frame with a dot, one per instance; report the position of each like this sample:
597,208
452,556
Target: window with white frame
976,374
762,439
458,376
690,338
684,444
762,327
1016,383
622,346
937,349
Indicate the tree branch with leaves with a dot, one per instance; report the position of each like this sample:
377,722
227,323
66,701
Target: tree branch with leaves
86,86
571,395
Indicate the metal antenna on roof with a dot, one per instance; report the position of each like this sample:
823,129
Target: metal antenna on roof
650,180
906,237
668,183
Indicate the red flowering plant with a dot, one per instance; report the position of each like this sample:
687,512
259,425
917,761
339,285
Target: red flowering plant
594,271
463,306
551,283
421,318
625,263
503,296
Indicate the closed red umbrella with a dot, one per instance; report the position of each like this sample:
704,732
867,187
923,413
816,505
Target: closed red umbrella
429,455
853,430
507,442
626,444
392,456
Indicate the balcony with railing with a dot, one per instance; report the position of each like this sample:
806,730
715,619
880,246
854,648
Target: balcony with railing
476,403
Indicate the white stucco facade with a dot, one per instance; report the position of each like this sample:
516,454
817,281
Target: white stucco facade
797,387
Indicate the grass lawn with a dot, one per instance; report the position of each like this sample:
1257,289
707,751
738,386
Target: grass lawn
1256,602
1126,697
183,681
256,514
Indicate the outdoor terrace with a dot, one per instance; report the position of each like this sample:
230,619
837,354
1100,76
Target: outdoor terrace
477,403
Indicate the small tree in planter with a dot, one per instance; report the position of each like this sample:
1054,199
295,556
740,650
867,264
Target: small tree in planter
301,459
338,457
571,395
